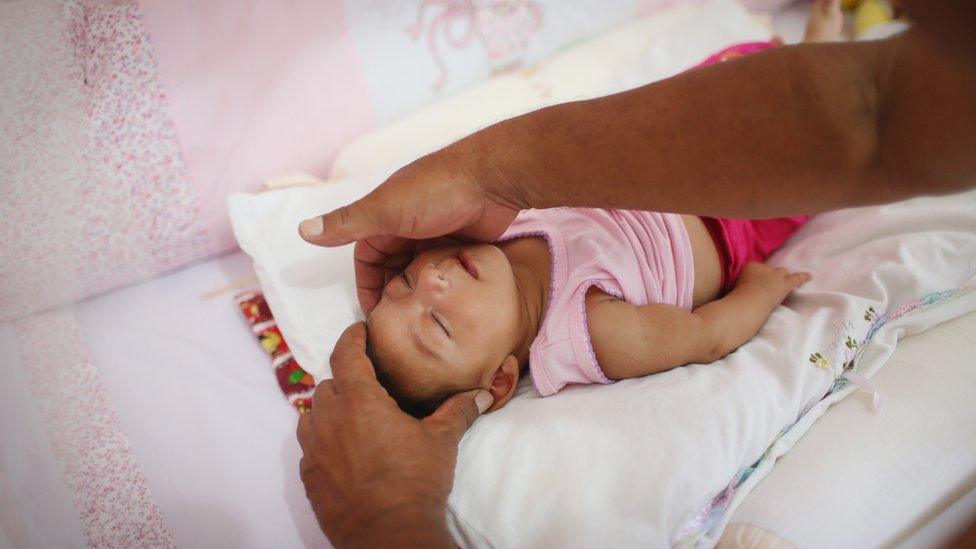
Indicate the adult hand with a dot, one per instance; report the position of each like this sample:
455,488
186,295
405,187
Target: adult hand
374,475
439,194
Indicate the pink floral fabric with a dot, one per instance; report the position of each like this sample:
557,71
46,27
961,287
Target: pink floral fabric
108,489
94,192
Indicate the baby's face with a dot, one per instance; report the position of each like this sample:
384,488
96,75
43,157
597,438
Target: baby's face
450,318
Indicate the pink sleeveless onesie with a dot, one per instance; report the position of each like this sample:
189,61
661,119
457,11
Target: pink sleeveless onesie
640,257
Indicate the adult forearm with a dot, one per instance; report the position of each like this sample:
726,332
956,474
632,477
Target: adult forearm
790,130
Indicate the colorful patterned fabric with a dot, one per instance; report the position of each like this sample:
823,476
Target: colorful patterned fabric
297,384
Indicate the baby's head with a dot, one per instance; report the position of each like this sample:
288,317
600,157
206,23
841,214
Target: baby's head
449,323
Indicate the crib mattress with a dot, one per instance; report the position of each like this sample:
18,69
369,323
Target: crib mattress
169,427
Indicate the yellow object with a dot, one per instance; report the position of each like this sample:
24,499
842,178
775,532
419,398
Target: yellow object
270,341
870,13
849,4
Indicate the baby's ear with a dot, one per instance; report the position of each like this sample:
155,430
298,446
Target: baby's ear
503,382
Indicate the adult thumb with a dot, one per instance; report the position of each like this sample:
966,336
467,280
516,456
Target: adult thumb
460,411
343,225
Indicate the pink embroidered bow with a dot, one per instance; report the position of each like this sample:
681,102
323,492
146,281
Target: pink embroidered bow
454,11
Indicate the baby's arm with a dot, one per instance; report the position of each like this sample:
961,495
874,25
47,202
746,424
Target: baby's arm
637,340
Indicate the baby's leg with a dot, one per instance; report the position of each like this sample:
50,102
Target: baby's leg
740,241
826,22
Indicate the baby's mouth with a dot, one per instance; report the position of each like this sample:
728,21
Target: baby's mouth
467,263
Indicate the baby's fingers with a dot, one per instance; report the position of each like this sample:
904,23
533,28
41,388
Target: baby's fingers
796,279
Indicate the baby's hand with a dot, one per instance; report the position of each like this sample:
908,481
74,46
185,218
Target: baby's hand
777,282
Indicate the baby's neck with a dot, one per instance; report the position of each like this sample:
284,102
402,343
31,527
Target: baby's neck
531,265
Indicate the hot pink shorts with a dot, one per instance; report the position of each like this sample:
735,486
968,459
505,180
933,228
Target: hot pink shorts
739,241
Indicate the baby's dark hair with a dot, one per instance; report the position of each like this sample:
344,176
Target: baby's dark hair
402,390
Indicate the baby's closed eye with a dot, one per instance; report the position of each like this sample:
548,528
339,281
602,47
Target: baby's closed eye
439,319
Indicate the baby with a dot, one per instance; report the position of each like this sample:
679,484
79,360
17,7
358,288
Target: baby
582,295
575,296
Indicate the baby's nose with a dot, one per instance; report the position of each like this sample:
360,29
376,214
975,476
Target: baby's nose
433,279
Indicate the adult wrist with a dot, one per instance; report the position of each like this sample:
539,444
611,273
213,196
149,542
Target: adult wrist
386,514
500,160
406,524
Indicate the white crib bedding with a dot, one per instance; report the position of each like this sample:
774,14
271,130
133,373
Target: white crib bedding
211,440
877,479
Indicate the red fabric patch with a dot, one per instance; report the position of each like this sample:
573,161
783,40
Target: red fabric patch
297,384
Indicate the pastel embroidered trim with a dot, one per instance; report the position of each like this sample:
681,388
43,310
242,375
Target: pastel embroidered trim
715,508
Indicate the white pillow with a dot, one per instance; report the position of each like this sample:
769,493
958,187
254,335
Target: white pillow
311,290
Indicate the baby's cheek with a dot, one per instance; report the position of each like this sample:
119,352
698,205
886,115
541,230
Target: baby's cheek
481,319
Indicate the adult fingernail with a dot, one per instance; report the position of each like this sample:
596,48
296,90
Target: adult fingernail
483,400
310,228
